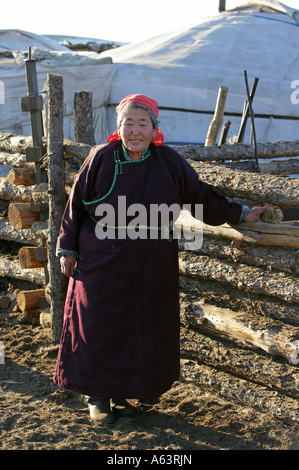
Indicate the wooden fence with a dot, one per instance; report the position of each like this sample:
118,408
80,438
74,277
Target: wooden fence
239,288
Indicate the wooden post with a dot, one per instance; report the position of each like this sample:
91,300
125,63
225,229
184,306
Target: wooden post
217,120
222,5
83,117
224,132
57,281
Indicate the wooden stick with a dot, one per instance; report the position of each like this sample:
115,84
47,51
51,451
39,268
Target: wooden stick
246,112
57,281
83,117
224,132
217,120
252,121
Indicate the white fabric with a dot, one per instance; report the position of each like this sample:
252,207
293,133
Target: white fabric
18,40
184,69
81,71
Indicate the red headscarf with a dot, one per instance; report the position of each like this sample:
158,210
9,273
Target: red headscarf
145,101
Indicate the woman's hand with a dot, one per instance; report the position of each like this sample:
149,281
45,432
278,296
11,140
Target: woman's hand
254,214
67,263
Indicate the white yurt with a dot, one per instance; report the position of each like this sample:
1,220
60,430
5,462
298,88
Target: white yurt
81,71
184,69
181,69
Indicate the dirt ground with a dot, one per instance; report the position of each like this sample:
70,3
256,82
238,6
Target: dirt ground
36,415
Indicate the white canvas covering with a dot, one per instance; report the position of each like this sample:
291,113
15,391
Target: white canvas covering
183,70
18,40
81,71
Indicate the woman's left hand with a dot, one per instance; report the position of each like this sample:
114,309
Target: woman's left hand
67,263
254,214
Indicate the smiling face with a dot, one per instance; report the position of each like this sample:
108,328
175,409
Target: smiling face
136,131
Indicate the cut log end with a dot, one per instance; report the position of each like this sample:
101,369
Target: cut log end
20,215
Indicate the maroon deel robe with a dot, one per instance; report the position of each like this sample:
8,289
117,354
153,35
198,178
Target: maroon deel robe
121,321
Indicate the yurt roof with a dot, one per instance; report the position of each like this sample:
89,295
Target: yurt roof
183,70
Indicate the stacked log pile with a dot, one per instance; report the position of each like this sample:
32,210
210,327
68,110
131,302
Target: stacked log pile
19,224
239,288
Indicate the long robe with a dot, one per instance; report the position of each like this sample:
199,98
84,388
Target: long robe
121,321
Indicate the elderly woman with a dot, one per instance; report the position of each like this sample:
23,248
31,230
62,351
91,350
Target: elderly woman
120,336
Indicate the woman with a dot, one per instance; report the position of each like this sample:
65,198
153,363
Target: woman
120,336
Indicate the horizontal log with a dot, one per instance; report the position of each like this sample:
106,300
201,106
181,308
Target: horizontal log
40,195
275,190
14,193
240,391
278,258
21,216
76,149
231,297
247,328
243,277
274,167
260,233
32,257
15,159
37,234
28,300
241,362
14,142
267,150
284,234
236,152
10,268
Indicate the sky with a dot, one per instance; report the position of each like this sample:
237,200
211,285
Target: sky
114,20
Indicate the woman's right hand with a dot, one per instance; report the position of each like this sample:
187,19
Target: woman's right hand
67,264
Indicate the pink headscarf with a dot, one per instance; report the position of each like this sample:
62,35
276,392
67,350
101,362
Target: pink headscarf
145,101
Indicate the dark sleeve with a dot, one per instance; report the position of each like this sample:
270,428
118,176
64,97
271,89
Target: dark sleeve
216,210
74,209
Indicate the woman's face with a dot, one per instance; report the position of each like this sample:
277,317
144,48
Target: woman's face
136,132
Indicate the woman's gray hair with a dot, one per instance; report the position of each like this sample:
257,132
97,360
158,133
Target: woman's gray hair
122,113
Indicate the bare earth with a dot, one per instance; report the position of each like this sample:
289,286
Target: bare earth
36,415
